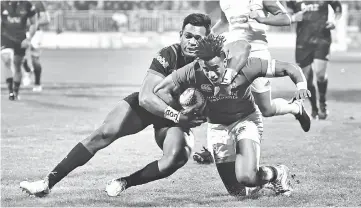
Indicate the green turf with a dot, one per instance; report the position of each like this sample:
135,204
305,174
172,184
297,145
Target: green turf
81,86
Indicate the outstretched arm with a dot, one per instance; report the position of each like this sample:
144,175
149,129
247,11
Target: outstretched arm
221,25
257,67
280,16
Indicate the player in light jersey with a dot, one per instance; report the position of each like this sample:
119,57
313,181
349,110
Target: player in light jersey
247,20
33,51
234,122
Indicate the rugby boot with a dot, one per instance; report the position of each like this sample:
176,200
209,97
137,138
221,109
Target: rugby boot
37,188
314,114
37,88
205,157
11,96
303,117
115,187
323,111
282,184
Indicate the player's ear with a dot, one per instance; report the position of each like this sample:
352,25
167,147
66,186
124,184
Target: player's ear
180,33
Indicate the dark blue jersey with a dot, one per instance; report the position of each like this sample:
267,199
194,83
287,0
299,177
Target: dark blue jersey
14,15
312,29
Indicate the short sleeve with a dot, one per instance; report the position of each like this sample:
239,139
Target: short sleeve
31,10
274,7
162,62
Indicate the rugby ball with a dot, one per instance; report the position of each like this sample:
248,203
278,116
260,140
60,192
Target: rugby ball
192,100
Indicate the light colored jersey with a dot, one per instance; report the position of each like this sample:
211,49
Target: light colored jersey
243,28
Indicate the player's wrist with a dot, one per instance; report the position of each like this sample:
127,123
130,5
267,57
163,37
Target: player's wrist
301,86
172,114
229,75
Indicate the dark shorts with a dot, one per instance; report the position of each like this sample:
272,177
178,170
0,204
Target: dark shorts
147,117
306,54
16,46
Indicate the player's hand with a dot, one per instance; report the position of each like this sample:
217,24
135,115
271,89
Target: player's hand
301,94
330,25
298,16
191,120
255,15
25,43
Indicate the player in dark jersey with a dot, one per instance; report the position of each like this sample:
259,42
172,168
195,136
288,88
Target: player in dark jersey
130,116
234,122
14,16
33,56
313,45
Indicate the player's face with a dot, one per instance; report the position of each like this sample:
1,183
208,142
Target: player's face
190,37
213,69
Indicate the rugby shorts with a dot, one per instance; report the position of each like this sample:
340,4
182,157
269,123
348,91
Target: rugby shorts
147,117
222,139
16,46
305,54
261,84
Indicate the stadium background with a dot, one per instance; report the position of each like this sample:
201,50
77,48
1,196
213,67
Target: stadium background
118,24
97,52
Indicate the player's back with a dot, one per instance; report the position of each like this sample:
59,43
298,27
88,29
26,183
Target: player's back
240,26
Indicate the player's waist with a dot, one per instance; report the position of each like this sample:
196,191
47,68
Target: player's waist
13,36
227,118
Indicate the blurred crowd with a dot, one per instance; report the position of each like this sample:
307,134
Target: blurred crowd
122,5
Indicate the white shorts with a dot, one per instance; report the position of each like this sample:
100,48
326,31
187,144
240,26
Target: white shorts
222,139
36,42
261,84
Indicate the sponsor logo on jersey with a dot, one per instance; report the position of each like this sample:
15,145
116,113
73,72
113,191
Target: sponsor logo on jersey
206,87
162,61
5,12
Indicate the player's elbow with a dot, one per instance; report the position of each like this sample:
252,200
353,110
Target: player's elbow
145,98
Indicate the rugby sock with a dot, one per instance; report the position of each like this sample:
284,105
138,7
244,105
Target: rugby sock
37,73
26,66
16,87
273,172
147,174
311,87
322,89
78,156
9,82
282,107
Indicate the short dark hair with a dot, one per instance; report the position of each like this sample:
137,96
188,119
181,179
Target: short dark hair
210,47
198,19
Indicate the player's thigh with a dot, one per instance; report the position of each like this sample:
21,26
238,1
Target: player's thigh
305,56
321,59
125,118
261,87
173,140
220,143
7,56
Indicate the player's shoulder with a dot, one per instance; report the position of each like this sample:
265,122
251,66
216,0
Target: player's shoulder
39,5
169,55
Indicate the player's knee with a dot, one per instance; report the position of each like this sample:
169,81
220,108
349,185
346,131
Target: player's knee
321,77
108,131
176,159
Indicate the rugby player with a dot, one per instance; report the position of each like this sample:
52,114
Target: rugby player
246,20
33,50
14,17
130,116
234,122
313,46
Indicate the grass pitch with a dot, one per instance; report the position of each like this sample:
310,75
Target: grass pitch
81,86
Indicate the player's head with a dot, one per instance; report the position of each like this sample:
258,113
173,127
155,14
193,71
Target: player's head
211,57
195,26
